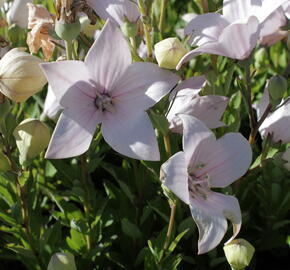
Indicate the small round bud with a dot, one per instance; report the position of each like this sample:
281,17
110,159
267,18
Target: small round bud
277,86
239,253
32,137
62,261
20,75
67,31
168,52
129,29
5,164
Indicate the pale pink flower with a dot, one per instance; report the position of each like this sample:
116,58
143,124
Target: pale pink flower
233,34
208,109
119,11
277,123
107,88
207,163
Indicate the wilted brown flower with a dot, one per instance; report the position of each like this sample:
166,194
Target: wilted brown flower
40,21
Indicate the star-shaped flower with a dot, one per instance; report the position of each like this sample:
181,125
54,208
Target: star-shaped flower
107,88
208,162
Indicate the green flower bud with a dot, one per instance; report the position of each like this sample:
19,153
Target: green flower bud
62,261
239,253
5,164
68,31
168,52
277,86
32,137
20,75
129,29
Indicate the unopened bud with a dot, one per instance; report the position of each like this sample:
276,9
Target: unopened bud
5,164
239,253
62,261
277,86
32,137
67,31
20,75
168,52
129,29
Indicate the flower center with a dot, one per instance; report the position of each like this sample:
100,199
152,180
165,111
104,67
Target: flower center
198,186
104,102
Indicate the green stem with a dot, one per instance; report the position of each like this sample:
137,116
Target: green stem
162,16
87,207
69,49
170,225
167,146
249,103
146,27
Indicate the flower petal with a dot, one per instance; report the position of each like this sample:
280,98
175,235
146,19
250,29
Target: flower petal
242,9
174,176
74,132
208,109
205,28
130,133
195,83
210,215
226,160
109,57
196,138
144,84
52,107
65,75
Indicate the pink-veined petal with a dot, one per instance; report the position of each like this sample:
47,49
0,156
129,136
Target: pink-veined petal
65,75
208,109
236,41
73,133
196,138
109,57
226,160
242,9
205,28
175,177
130,133
117,11
52,108
278,124
195,83
210,214
144,84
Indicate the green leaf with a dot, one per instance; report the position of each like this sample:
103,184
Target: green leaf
130,229
176,240
159,121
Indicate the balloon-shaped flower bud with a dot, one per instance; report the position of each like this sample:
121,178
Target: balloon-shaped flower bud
5,164
32,137
62,261
168,52
20,75
68,31
239,253
277,86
